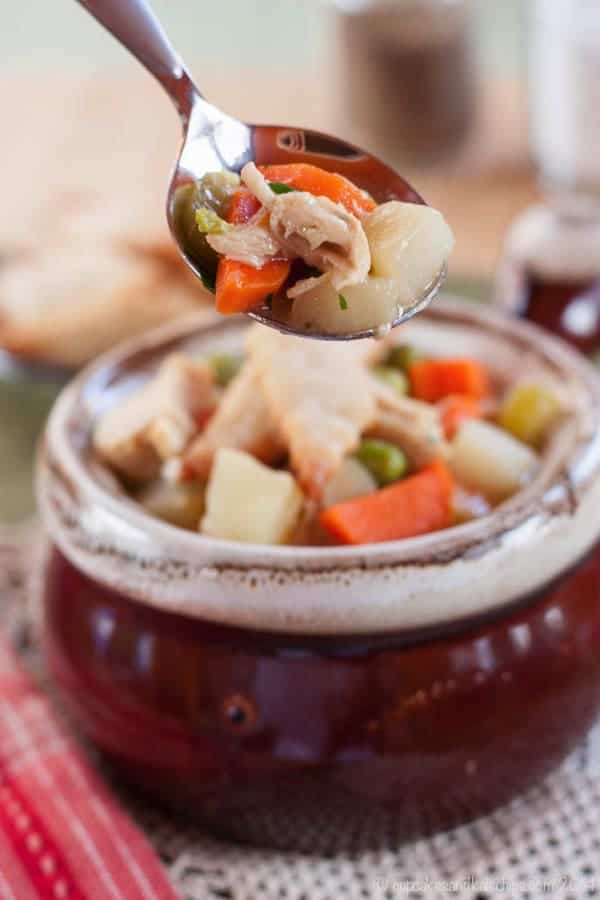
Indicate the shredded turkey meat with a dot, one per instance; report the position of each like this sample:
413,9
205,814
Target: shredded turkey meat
309,401
155,423
320,396
243,421
411,424
252,243
322,233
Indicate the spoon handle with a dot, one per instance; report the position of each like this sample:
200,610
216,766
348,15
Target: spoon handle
135,25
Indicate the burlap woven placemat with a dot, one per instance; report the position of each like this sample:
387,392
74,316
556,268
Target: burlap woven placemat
544,844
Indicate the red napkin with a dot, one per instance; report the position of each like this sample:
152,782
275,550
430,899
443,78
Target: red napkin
62,835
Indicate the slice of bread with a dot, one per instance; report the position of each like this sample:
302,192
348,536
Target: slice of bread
67,303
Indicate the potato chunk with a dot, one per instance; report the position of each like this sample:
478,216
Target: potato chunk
487,460
178,504
529,411
409,243
247,501
351,480
358,308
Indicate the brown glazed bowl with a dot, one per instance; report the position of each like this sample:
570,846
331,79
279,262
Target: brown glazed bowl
320,698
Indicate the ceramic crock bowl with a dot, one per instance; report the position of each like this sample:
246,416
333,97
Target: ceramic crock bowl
314,698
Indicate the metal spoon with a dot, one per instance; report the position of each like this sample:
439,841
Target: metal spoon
215,141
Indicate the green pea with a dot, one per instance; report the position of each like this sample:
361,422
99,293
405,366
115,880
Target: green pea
403,356
225,367
386,462
393,378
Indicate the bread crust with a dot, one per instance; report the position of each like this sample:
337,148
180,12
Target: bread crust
66,304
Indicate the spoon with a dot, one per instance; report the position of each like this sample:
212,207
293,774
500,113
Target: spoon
214,141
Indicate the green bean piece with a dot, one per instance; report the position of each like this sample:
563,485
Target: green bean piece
225,367
403,356
386,462
393,378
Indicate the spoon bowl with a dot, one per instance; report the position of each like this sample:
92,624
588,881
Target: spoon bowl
215,141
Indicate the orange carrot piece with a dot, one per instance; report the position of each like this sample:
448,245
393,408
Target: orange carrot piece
433,380
417,505
317,181
241,287
455,409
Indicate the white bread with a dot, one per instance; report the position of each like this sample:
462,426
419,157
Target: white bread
67,303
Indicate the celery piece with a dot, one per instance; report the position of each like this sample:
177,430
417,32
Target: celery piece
209,222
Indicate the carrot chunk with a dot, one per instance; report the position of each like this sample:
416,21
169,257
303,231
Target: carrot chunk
455,408
417,505
317,181
241,287
433,380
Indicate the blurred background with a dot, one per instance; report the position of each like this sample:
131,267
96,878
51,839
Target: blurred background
488,107
234,33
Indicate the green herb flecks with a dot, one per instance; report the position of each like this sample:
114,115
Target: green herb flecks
343,301
278,187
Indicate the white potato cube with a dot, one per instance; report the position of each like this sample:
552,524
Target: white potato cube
409,243
488,460
247,501
178,504
366,305
351,480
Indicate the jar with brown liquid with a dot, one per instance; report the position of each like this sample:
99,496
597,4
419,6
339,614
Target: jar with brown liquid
550,272
408,75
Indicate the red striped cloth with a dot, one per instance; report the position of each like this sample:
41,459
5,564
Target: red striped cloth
62,835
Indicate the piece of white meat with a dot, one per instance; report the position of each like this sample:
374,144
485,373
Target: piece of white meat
320,396
414,426
156,423
322,233
252,243
243,421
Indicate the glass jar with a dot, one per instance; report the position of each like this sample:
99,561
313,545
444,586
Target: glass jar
550,272
326,698
408,75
